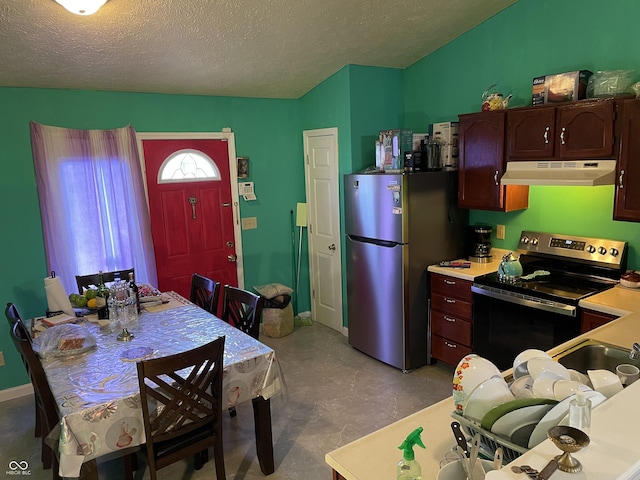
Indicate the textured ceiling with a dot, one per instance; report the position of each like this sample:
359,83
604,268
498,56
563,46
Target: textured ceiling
247,48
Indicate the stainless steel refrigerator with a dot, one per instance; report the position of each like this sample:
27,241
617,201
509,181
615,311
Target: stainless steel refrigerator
397,225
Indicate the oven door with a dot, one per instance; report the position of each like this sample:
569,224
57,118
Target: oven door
504,325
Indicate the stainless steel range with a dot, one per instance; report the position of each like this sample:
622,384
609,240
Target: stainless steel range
539,309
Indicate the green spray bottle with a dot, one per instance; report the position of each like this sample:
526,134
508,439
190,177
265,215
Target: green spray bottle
408,468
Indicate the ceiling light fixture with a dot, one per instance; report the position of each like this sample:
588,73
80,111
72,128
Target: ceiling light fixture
82,7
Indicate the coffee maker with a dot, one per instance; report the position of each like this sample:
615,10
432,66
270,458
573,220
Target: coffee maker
480,243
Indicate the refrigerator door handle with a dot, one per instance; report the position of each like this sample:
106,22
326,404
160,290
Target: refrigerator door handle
381,243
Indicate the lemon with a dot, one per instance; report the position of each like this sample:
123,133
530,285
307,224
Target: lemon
91,303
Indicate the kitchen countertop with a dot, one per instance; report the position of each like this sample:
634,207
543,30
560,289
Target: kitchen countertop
613,453
475,270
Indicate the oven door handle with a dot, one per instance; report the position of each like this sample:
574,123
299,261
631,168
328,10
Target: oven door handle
555,307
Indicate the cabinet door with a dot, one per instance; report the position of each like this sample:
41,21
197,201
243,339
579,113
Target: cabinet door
591,319
481,160
585,130
530,133
627,201
482,165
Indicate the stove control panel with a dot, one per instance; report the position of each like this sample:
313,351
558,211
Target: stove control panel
596,250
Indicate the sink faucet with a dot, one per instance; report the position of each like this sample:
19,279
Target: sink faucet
634,354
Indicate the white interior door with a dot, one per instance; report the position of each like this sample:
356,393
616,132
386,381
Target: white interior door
323,217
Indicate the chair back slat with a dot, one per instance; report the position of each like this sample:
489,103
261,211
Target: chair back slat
205,293
243,310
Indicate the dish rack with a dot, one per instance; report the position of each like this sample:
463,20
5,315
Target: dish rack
489,441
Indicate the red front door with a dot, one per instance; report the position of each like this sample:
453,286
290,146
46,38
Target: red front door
191,221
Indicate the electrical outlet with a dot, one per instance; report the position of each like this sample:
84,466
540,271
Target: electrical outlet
500,232
1,359
249,223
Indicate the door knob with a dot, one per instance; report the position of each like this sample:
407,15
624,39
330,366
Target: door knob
332,247
231,258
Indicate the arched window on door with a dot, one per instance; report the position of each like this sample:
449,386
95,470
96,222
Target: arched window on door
188,165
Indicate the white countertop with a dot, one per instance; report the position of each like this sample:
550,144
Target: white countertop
614,452
475,270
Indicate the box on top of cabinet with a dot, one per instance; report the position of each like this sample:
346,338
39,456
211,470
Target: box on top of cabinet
447,134
561,87
394,144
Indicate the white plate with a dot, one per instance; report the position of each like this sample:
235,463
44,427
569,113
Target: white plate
514,423
557,414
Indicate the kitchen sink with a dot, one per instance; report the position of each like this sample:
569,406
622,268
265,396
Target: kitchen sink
592,355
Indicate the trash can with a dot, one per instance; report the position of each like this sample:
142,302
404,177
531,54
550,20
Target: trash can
277,313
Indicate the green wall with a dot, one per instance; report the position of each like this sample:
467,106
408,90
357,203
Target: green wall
267,131
359,101
528,39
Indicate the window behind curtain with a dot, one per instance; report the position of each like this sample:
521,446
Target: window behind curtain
92,201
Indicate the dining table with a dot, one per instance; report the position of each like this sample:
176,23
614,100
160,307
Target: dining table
97,392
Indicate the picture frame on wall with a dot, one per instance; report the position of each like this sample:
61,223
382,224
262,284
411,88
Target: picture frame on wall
243,167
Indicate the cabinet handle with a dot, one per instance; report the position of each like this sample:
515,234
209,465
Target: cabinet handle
620,179
449,319
449,300
562,136
546,135
449,282
495,178
450,345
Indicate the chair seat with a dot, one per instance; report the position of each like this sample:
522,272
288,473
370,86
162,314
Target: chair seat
168,447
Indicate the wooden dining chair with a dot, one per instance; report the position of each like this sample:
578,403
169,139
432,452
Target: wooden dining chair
181,398
86,281
12,314
205,293
50,417
243,310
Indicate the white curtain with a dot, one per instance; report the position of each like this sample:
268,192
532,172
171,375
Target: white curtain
92,202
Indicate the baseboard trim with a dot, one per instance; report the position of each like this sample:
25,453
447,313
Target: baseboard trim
345,331
16,392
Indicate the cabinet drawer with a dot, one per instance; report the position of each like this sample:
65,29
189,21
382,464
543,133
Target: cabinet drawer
451,286
448,326
448,351
451,305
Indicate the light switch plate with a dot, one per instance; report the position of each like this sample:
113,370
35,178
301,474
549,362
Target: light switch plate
500,232
249,223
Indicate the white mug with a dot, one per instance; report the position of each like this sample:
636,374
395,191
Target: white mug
628,373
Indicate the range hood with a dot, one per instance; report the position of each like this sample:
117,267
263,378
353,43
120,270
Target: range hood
564,173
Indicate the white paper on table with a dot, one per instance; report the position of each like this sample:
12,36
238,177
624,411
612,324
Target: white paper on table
57,298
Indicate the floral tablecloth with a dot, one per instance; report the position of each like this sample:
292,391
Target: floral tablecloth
97,391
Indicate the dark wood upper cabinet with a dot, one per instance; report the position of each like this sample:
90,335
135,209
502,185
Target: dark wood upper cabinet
531,133
627,196
581,130
585,130
482,163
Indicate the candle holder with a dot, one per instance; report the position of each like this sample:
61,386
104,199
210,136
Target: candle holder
569,440
125,335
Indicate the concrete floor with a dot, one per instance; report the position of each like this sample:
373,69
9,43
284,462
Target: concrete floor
334,395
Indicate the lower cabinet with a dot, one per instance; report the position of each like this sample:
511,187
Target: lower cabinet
590,319
451,318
